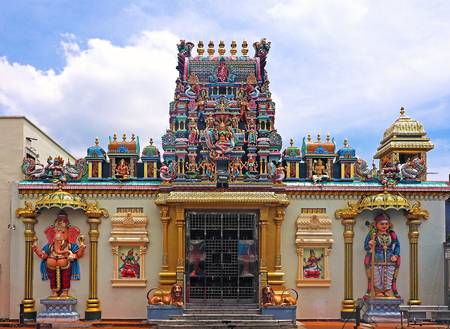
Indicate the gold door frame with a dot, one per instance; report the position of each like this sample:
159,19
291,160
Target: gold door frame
271,208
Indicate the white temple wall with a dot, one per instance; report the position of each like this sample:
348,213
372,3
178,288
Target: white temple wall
315,302
325,302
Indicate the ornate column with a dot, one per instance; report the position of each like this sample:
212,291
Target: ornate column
165,219
276,278
94,215
28,216
263,245
347,217
180,238
414,216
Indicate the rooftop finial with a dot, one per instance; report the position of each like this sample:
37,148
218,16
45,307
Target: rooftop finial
151,141
402,111
308,138
124,137
221,48
200,48
291,142
328,137
346,142
96,141
233,50
115,137
318,137
244,49
133,137
211,48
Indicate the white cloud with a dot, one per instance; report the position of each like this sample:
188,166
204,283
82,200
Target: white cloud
101,90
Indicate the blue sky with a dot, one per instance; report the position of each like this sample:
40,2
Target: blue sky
82,69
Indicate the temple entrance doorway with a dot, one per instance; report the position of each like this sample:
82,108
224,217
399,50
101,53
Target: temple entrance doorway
221,257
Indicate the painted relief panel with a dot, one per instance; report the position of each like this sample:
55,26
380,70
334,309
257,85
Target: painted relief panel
314,241
129,240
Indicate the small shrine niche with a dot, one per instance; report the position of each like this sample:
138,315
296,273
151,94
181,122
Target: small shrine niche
292,156
123,157
129,240
314,240
151,161
319,156
346,159
96,157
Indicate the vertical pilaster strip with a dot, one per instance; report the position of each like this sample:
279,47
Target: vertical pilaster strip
279,217
180,238
413,235
263,238
165,219
94,214
28,216
348,304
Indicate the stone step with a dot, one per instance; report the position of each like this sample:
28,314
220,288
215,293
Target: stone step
222,316
210,324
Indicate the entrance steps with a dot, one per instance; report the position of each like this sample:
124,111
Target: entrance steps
212,317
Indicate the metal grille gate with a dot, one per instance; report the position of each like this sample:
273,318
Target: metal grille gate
221,257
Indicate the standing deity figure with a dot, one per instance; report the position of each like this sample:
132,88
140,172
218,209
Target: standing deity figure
60,255
252,133
382,259
319,171
235,169
193,132
209,169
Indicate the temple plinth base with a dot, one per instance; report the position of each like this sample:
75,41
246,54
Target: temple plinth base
58,311
382,310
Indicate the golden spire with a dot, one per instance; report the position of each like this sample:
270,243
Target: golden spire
318,137
200,48
328,137
133,137
402,111
244,49
308,138
211,48
233,50
115,137
124,137
346,142
96,141
221,48
291,141
151,141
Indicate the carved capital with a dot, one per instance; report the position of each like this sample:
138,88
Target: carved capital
26,212
94,211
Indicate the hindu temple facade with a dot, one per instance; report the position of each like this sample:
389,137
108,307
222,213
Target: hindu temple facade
223,211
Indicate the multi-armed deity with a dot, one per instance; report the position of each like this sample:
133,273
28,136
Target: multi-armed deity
60,255
382,260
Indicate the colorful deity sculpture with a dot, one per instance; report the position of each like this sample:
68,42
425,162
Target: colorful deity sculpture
60,255
209,169
382,259
122,171
130,267
319,171
235,169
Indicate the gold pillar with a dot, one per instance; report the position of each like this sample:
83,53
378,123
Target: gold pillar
94,214
180,238
413,235
348,304
263,239
276,278
28,216
165,219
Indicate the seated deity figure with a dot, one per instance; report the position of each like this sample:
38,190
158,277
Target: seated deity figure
382,259
122,171
319,171
60,255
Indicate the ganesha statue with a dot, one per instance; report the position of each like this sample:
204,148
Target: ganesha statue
60,255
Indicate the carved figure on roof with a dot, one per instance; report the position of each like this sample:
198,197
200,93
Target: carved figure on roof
193,88
390,174
179,89
192,167
235,169
252,168
252,133
193,132
60,255
363,171
122,171
262,48
54,169
209,169
250,88
184,51
222,71
319,171
168,172
235,124
276,173
382,259
413,169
